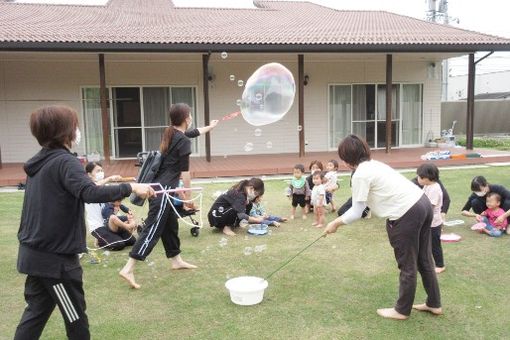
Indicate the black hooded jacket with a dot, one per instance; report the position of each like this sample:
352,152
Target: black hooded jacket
52,229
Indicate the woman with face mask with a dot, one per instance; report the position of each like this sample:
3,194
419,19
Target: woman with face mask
96,173
161,221
52,228
235,205
476,201
106,237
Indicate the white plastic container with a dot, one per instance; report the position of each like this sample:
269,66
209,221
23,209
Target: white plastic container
246,290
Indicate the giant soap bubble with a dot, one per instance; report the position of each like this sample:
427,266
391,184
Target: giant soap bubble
268,94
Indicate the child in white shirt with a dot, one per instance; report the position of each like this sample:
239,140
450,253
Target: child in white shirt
318,199
330,185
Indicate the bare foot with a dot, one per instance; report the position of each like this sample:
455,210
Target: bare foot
391,313
276,224
228,231
130,278
439,270
284,219
181,264
291,217
424,308
319,225
303,217
314,224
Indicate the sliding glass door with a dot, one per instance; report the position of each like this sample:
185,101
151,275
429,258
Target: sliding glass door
156,104
381,115
138,117
363,112
361,109
339,113
412,117
127,121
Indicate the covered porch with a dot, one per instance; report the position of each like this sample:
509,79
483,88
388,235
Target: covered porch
278,164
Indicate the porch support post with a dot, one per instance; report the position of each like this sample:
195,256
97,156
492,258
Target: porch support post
470,102
301,104
103,97
205,81
389,85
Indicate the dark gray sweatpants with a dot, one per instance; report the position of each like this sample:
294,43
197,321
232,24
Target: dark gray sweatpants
410,237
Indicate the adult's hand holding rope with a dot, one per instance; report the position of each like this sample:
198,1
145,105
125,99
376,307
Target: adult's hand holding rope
142,190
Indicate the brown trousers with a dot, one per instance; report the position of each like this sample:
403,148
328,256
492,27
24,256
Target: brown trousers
410,237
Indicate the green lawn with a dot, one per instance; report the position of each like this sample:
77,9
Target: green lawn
331,291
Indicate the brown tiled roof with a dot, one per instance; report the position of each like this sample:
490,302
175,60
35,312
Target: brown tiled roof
274,25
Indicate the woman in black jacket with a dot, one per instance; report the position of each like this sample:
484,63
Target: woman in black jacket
230,208
52,229
162,220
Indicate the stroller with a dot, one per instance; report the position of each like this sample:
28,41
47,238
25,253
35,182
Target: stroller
149,162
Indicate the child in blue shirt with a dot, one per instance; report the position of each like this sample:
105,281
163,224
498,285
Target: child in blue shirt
258,210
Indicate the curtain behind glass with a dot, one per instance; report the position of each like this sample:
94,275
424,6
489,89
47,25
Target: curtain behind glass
359,107
156,104
340,113
411,114
92,121
381,102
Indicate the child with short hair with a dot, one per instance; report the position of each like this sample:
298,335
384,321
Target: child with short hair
115,222
318,199
487,219
330,185
299,191
314,166
258,210
428,175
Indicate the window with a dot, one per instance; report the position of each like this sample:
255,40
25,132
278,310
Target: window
92,120
361,109
138,117
339,113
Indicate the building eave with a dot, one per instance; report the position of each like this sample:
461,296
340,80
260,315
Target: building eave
248,48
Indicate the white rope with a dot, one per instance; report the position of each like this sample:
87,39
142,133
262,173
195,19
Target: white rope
170,200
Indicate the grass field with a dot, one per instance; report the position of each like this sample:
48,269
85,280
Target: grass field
331,291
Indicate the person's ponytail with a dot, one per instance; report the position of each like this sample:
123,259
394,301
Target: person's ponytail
177,115
166,139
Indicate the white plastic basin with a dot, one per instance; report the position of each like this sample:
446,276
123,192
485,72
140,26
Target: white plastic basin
246,290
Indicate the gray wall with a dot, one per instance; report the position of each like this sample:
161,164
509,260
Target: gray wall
491,116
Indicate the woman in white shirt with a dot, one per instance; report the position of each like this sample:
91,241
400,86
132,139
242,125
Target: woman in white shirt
408,216
105,237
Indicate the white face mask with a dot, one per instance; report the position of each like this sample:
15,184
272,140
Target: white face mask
99,176
77,139
480,193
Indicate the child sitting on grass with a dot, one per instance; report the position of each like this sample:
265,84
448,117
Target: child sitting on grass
116,222
487,219
258,210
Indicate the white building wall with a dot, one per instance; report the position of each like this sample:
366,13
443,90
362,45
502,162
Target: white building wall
484,83
29,80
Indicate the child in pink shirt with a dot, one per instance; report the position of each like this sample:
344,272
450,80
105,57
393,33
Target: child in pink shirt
487,220
428,175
